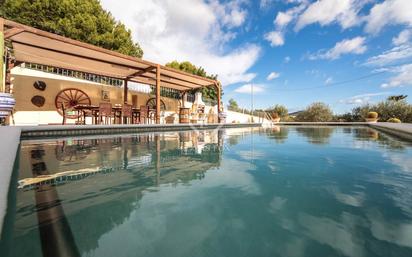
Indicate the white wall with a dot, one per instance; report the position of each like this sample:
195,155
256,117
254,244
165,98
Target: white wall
237,117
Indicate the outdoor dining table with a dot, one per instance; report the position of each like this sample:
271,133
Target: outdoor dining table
83,110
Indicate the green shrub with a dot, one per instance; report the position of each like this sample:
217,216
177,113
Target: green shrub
316,112
280,110
372,115
394,120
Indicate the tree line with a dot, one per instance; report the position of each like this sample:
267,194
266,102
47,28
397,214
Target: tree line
393,109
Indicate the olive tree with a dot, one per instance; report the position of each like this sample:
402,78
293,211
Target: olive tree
316,112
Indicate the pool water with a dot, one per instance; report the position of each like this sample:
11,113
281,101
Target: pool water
283,191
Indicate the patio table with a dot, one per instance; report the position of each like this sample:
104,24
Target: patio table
83,109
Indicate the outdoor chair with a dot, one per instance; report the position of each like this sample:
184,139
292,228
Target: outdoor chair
64,114
105,113
127,114
144,114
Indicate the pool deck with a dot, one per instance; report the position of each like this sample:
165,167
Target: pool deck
402,130
10,138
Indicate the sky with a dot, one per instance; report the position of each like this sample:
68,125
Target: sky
344,53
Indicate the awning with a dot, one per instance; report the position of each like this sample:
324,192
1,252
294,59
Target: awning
40,47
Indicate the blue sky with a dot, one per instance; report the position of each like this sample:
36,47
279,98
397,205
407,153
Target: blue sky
294,52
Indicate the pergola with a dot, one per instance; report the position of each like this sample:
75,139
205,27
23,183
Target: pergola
41,47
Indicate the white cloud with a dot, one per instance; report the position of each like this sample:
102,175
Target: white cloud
247,89
387,13
402,78
273,75
231,14
398,53
191,30
329,81
347,46
283,19
326,12
287,59
275,38
362,99
402,38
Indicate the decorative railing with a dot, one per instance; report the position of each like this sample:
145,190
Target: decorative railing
75,74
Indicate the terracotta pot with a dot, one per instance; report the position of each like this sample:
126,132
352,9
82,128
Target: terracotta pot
7,103
371,120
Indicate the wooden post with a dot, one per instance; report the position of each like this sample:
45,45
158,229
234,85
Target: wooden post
158,94
218,100
2,57
184,99
125,91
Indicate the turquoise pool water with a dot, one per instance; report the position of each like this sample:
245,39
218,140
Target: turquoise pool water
284,191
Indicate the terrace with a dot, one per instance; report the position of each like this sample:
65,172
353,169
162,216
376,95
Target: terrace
28,47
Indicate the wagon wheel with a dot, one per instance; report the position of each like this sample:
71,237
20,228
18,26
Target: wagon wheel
152,104
69,98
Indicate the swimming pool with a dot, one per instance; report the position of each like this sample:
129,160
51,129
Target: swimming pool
283,191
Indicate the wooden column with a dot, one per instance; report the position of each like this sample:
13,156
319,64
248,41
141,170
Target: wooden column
2,54
184,99
158,94
219,95
125,91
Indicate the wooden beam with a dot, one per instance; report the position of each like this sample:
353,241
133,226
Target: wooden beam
158,94
125,91
163,80
141,72
49,35
12,32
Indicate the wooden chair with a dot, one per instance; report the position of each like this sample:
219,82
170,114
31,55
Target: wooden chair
105,113
64,114
127,114
144,114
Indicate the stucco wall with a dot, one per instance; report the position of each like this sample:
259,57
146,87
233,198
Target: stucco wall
27,113
237,117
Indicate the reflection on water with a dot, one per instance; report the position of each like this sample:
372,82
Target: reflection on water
316,135
281,191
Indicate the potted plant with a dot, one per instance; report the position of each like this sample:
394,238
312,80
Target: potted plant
394,120
372,117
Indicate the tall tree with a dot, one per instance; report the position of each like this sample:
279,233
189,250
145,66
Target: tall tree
83,20
397,98
233,106
207,92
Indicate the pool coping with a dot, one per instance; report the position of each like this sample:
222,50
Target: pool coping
10,138
80,130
